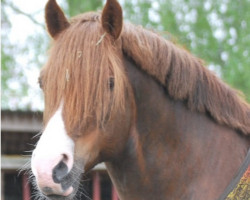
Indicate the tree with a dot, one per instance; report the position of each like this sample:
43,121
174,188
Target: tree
75,7
20,60
216,31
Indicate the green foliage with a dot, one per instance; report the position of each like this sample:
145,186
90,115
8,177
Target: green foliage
8,63
19,60
216,31
75,7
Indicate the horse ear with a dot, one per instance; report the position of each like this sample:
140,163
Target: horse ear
55,18
112,18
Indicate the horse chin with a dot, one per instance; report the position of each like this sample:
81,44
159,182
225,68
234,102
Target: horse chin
58,197
72,185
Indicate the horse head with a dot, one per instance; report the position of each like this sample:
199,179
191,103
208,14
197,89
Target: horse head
88,109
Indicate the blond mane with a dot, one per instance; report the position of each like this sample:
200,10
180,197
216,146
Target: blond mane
82,61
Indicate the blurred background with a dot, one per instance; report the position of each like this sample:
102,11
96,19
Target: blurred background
216,31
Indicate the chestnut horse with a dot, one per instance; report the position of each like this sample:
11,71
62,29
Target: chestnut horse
165,126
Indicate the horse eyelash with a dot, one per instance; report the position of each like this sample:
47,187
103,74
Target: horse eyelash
40,82
111,83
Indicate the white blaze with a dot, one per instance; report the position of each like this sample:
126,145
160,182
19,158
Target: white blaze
53,146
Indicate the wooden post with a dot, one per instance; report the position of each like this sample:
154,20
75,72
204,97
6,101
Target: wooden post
96,187
25,187
2,184
114,193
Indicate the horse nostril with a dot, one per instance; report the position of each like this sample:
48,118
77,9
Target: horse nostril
59,172
65,158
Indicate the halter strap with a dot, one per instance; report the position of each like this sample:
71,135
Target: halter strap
237,178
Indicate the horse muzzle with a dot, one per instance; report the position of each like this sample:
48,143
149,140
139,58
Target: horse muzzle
53,159
53,176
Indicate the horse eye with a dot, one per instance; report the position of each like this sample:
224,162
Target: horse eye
111,83
40,82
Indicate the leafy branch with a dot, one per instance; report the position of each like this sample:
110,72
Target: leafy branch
18,11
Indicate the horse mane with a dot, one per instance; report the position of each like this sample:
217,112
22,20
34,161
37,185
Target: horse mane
185,77
182,74
82,61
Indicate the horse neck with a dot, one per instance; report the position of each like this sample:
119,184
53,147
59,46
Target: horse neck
172,151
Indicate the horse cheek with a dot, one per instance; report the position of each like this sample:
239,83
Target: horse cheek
87,149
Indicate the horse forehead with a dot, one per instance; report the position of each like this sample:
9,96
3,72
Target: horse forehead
85,17
55,128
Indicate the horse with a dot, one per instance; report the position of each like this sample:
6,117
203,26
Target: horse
164,125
